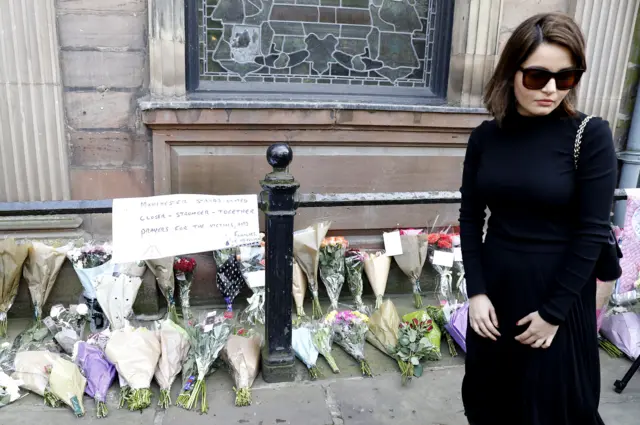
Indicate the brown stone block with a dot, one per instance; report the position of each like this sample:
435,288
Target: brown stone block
294,13
108,184
90,31
328,14
109,149
354,16
99,110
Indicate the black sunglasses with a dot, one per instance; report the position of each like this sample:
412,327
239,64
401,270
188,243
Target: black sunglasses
536,78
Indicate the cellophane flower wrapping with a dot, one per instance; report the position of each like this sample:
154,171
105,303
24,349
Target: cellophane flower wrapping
229,277
9,389
305,350
457,325
41,271
299,290
604,290
376,267
184,270
116,295
7,358
252,264
306,250
36,339
90,261
33,369
351,329
99,372
68,324
322,334
354,266
332,270
622,328
383,328
12,257
132,268
174,343
207,339
135,353
414,345
441,257
162,269
432,332
68,384
411,261
242,354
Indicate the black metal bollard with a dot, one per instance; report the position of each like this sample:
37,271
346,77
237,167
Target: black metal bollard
278,201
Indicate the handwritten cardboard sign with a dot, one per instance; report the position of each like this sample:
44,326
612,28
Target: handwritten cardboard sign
169,225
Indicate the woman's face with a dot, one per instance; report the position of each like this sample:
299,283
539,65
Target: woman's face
551,57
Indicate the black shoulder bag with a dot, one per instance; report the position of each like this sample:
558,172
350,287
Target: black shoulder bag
608,264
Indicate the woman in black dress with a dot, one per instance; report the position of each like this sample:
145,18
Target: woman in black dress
532,346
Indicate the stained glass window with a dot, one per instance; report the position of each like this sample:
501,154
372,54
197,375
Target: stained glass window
355,42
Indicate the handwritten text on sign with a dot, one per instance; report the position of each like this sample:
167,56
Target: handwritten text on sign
164,226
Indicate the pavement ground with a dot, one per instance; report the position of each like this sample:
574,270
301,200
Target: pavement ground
342,399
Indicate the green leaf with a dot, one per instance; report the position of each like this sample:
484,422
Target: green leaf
415,361
405,341
424,342
413,347
418,370
413,335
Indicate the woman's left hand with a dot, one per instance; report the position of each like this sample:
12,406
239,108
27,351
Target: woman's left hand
539,333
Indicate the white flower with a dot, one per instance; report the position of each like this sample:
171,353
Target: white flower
82,309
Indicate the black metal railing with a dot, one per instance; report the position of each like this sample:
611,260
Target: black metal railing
279,201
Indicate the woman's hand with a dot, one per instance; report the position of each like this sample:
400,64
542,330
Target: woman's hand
539,333
482,317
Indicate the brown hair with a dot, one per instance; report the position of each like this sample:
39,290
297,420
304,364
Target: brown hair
553,28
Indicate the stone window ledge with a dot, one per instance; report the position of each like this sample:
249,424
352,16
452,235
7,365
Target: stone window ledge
147,104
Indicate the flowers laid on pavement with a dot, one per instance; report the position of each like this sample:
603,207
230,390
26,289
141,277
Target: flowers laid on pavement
354,266
252,264
411,261
162,269
229,277
384,324
242,354
135,353
431,331
305,350
331,265
413,346
376,266
322,334
184,269
33,369
299,290
306,247
68,384
174,345
99,372
12,257
351,329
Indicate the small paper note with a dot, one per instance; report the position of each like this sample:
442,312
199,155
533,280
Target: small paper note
443,258
392,243
457,254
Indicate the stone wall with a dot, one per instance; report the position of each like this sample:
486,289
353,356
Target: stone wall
103,51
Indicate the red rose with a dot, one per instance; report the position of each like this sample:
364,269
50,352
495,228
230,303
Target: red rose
433,238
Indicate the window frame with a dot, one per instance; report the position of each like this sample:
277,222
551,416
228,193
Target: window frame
435,94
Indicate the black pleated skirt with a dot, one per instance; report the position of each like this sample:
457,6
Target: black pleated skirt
509,383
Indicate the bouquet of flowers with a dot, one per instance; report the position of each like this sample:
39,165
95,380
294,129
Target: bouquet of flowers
413,346
457,325
242,354
376,266
89,262
252,264
305,350
9,389
441,315
322,334
229,277
207,340
67,325
162,269
620,326
12,257
135,353
133,268
351,328
116,295
99,372
189,374
411,261
354,265
441,257
383,328
299,290
184,269
306,247
33,369
431,331
458,268
40,271
174,343
332,272
68,384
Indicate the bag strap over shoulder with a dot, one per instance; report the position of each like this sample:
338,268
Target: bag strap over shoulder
578,142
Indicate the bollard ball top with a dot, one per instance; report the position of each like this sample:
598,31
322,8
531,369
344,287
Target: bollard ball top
279,155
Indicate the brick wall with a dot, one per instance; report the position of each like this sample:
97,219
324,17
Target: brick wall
105,70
